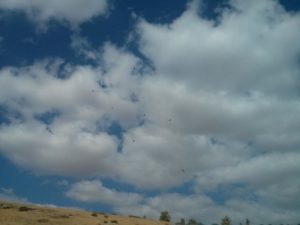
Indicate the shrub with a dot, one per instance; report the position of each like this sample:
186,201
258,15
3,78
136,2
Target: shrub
64,216
24,208
7,207
94,214
43,220
114,221
226,221
192,222
182,221
133,216
165,216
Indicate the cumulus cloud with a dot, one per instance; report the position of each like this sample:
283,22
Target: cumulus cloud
197,206
8,194
219,109
173,158
261,170
200,54
67,117
75,12
83,48
94,191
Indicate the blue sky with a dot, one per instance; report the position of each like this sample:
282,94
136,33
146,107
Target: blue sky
136,107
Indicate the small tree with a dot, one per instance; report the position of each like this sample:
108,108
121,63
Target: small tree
247,221
192,222
182,221
165,216
226,221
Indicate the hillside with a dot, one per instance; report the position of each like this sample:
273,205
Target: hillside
21,214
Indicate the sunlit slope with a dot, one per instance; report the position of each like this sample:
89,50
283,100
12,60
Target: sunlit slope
21,214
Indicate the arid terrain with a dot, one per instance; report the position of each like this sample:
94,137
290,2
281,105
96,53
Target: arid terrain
22,214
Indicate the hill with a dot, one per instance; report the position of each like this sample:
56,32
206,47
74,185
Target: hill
22,214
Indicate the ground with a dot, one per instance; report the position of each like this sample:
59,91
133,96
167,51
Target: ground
22,214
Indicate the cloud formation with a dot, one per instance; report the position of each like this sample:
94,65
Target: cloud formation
219,109
8,194
75,12
70,116
197,205
94,191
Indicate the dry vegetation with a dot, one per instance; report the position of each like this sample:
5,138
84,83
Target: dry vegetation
21,214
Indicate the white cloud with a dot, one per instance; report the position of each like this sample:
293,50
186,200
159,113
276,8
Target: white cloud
260,171
94,191
67,151
219,109
197,206
8,194
75,142
82,47
172,158
242,54
179,206
75,12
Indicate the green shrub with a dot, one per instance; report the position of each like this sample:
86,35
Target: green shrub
133,216
64,216
165,216
6,207
43,220
226,221
24,209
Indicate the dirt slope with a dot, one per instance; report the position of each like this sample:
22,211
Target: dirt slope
21,214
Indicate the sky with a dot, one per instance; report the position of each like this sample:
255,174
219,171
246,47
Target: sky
136,107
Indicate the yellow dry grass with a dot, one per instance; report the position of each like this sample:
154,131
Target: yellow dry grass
21,214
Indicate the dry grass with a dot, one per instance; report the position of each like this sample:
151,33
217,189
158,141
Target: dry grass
20,214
